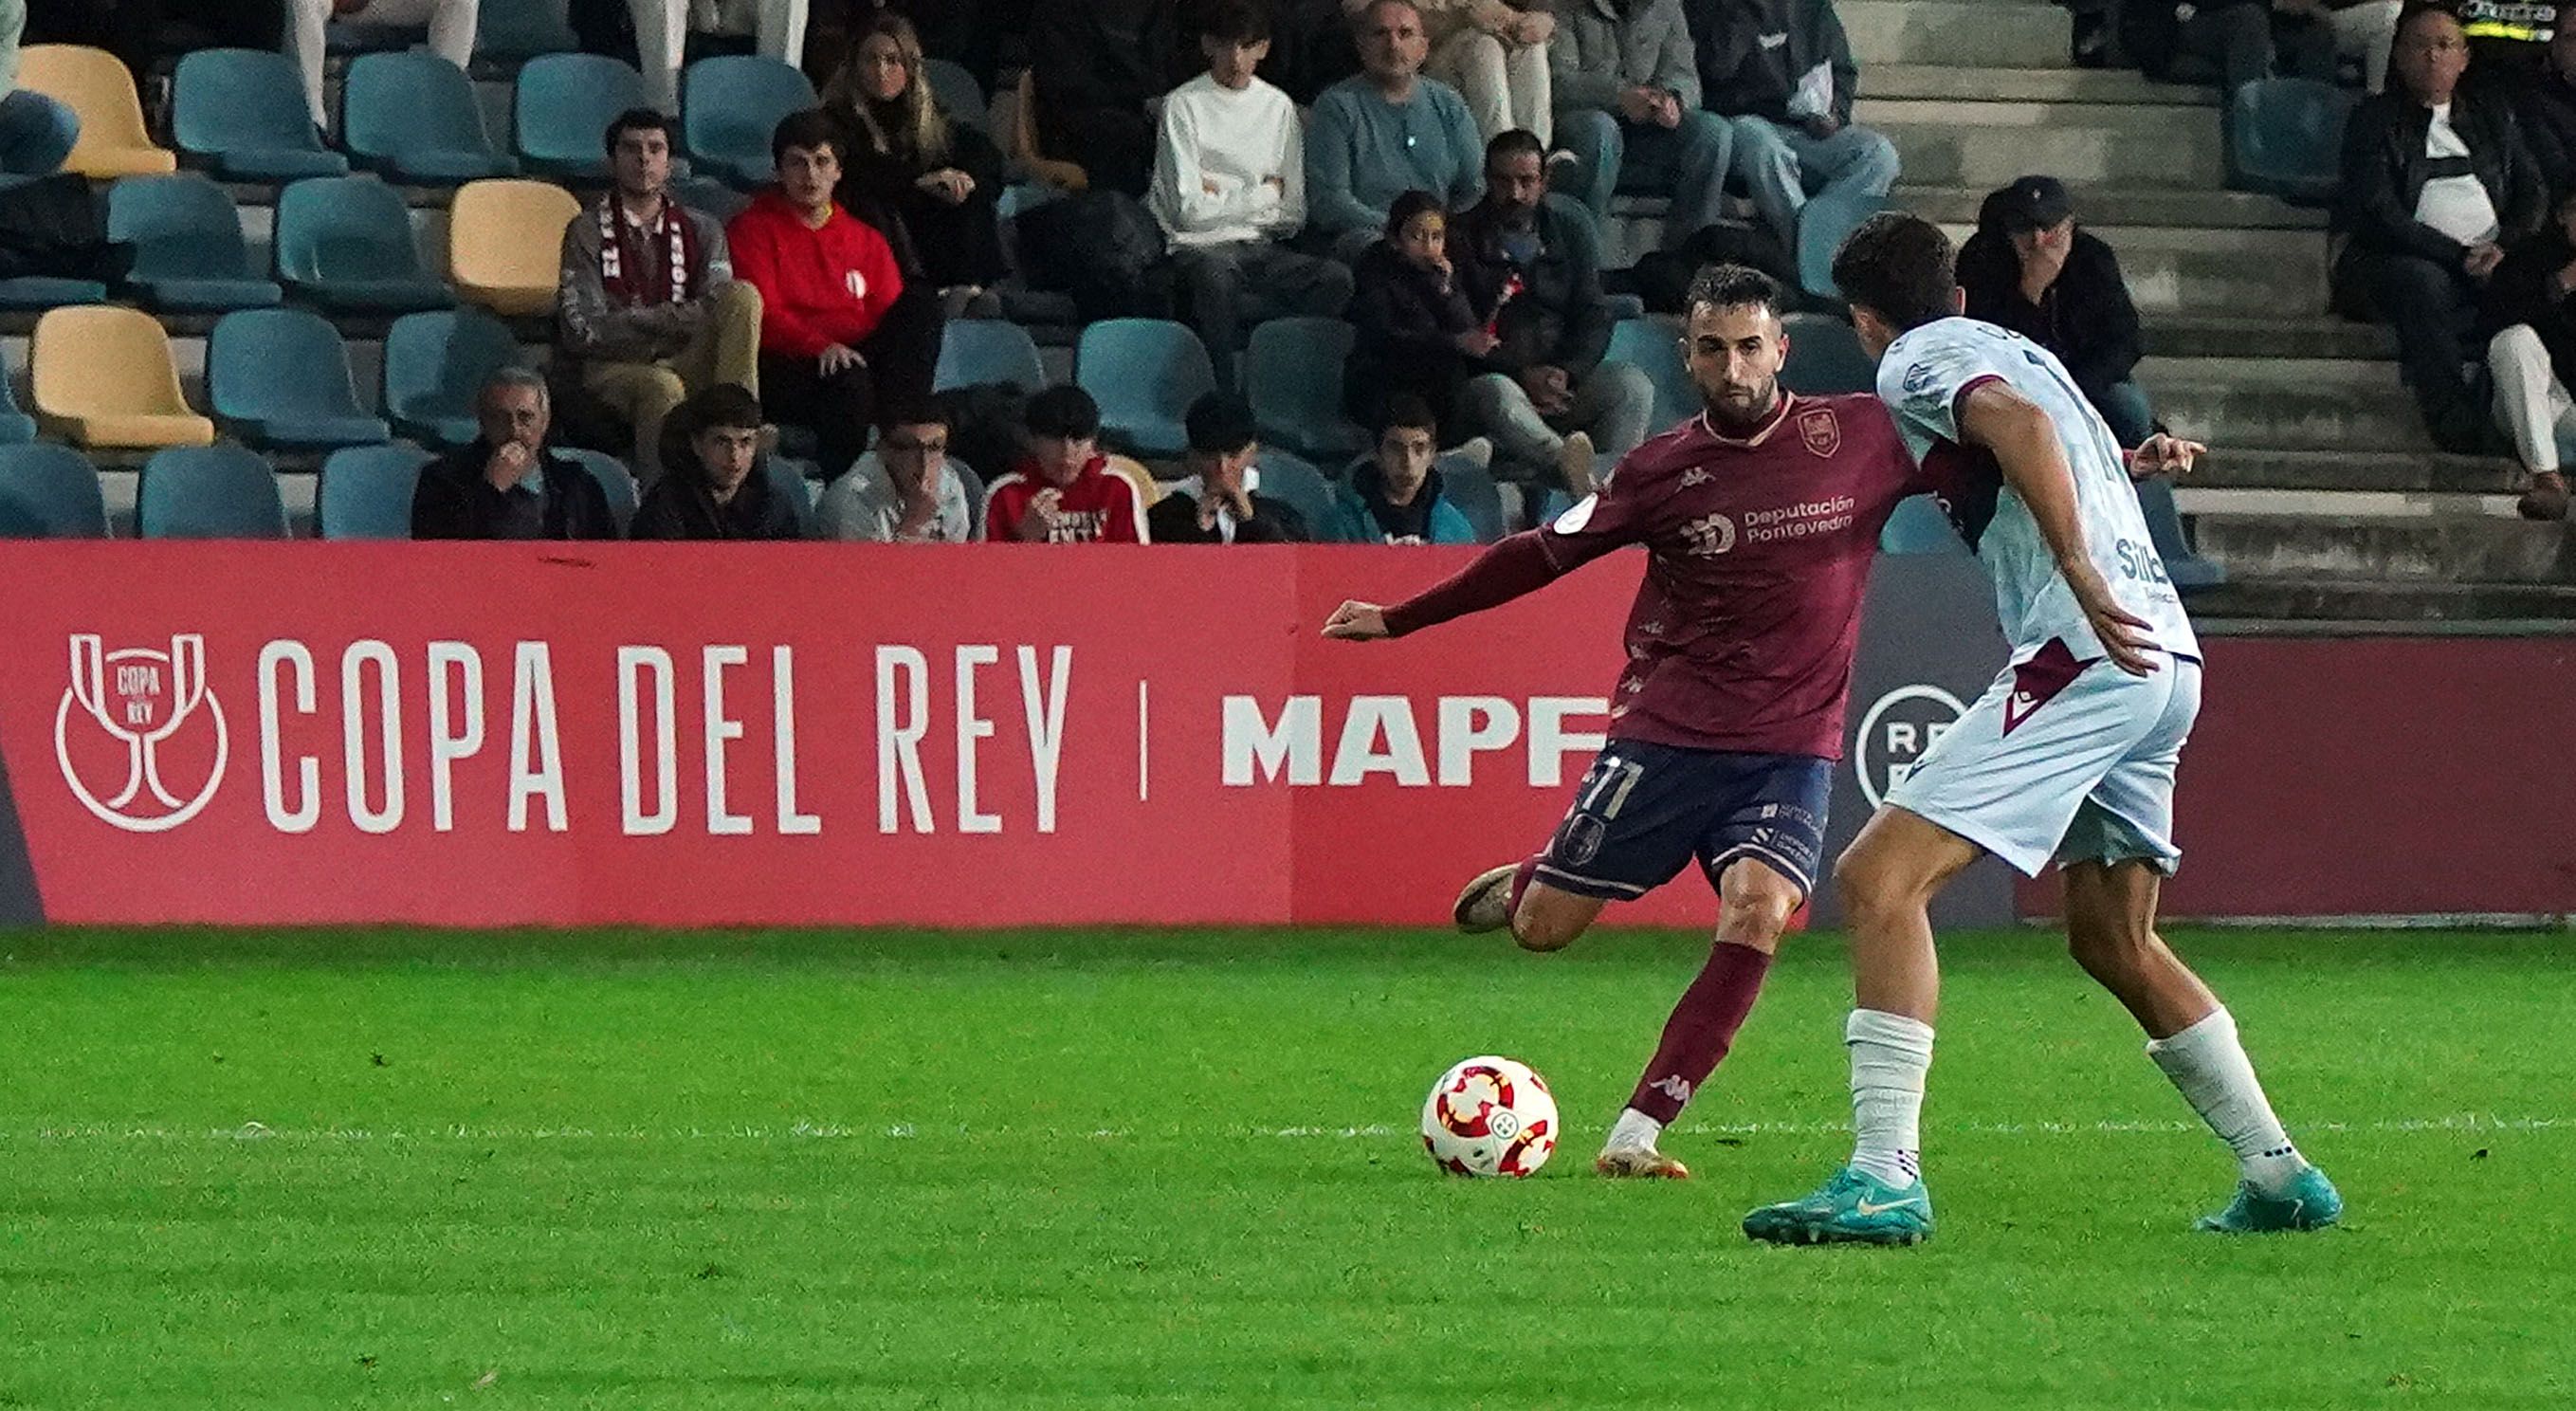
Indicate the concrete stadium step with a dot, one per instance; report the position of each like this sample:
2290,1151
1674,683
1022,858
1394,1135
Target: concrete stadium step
2287,403
2254,468
2043,85
2445,549
2341,504
2206,335
2121,206
2209,272
2011,34
1985,145
2371,600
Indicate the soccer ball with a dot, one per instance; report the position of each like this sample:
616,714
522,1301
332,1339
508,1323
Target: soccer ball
1489,1117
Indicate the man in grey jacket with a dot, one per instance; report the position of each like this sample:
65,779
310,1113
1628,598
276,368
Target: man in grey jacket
907,490
1627,107
649,310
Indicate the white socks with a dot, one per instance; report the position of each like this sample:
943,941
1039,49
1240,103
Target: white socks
2207,1063
1634,1131
1890,1053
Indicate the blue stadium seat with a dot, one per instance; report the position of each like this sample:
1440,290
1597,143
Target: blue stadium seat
1653,346
413,116
2183,565
1301,486
795,479
1825,357
729,106
49,492
241,113
1822,227
2285,137
1144,372
1471,488
345,242
16,427
562,108
189,256
1919,527
523,29
1292,372
709,196
977,351
959,93
209,492
435,366
39,292
279,379
613,477
365,491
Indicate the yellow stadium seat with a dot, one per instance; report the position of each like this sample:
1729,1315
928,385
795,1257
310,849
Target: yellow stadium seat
1136,472
97,86
104,377
505,243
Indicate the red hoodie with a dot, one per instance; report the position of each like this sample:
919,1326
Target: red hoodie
817,287
1099,507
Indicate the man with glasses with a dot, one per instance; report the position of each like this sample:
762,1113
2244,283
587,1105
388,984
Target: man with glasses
904,491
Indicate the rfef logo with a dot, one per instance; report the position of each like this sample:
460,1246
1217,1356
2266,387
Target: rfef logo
1900,728
147,749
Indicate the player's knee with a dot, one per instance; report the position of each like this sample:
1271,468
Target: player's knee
1536,929
1756,909
1867,886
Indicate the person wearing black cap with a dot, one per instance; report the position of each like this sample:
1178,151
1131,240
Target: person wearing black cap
2028,268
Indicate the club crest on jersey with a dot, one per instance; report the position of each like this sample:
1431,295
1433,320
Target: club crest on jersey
1822,432
1918,378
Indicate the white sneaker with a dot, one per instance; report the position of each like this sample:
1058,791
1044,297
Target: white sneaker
1574,463
1486,903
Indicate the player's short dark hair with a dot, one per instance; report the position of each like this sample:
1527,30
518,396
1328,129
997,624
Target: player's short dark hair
1220,424
638,120
1733,287
1411,204
812,129
727,404
913,411
1408,410
1235,22
1899,267
1514,142
1063,412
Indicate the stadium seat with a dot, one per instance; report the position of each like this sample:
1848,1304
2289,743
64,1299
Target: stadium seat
980,351
1292,372
209,492
49,492
345,242
561,109
435,366
2285,137
279,379
729,106
98,87
1135,473
1296,482
524,30
973,484
1144,372
505,244
613,477
1919,527
241,113
104,377
2183,565
1825,357
705,193
795,479
189,256
413,116
39,292
1828,219
959,93
1471,488
365,491
1652,345
16,427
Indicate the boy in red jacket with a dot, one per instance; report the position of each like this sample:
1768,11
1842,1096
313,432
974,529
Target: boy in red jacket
1063,491
839,333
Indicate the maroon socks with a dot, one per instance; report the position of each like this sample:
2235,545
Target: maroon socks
1703,1025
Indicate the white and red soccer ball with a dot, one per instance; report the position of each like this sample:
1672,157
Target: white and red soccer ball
1489,1117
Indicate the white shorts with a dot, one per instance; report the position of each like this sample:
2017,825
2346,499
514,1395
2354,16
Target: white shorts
2063,760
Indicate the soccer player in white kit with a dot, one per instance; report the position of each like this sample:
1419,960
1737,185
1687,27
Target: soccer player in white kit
2069,756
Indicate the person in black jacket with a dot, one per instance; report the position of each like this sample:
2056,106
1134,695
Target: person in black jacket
2229,42
2436,183
1783,71
1416,335
2030,269
928,181
2531,352
1094,65
717,484
2545,105
1220,503
507,483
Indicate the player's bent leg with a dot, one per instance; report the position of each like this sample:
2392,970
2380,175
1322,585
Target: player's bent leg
1548,919
2111,932
1886,881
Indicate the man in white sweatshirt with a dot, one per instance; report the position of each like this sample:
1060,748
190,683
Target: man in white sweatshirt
1230,189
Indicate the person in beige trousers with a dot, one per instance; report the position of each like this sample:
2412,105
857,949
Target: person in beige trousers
1495,55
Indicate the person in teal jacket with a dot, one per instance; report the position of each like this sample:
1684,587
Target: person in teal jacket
1395,496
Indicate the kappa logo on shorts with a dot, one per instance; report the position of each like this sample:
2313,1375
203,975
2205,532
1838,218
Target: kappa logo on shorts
156,706
1896,732
1822,432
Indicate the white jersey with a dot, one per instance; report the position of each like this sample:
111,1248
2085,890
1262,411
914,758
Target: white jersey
1922,379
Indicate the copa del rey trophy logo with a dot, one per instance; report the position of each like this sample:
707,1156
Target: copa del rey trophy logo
140,739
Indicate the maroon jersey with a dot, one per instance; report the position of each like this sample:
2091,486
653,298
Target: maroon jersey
1743,632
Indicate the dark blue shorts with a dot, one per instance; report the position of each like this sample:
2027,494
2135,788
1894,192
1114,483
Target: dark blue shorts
1644,810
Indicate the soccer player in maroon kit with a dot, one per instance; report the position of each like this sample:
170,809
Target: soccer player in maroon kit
1762,517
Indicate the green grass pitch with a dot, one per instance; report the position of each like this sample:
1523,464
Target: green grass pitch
1179,1169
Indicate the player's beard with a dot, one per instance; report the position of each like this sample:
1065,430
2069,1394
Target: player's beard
1746,406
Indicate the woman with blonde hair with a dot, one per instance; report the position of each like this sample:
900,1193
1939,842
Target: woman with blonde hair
927,180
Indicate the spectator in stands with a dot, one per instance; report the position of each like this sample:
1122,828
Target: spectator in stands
838,329
647,308
2508,39
719,485
1230,188
2545,106
929,182
1395,496
662,30
2531,315
1096,67
1494,52
1063,491
1628,108
2030,269
508,483
1310,44
2363,31
1547,399
451,33
1416,334
1219,503
2230,42
1388,131
904,491
2436,183
36,132
1782,71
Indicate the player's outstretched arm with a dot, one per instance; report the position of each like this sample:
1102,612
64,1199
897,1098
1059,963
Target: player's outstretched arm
2161,454
2026,449
1519,564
